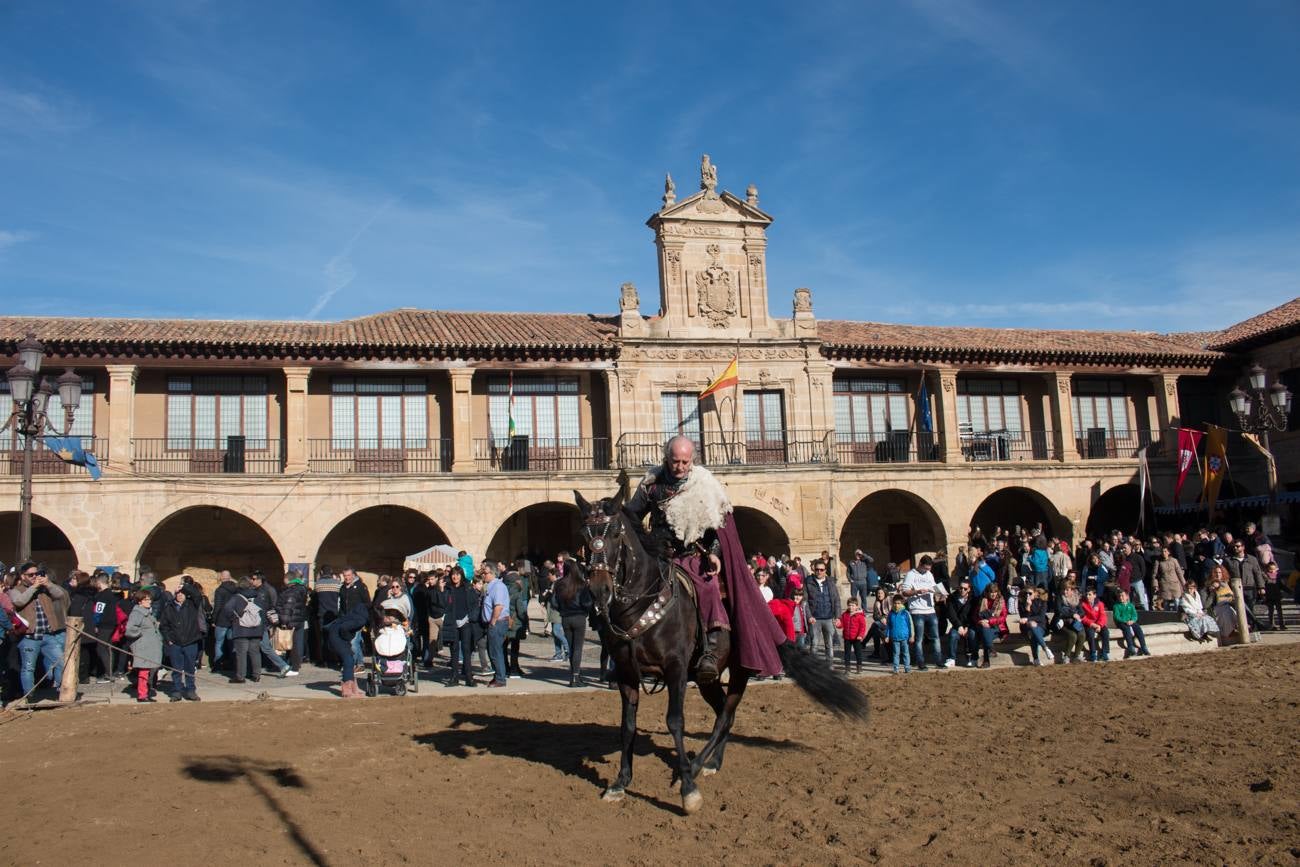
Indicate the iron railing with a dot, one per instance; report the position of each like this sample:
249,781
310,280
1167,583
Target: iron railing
1007,445
529,454
646,449
1101,443
207,455
44,461
379,456
890,447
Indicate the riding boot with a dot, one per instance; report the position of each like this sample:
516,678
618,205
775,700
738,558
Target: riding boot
716,644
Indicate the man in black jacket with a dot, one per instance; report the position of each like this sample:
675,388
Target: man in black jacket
351,594
221,631
960,611
102,623
183,626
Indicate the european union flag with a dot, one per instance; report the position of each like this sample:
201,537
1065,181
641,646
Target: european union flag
923,408
69,448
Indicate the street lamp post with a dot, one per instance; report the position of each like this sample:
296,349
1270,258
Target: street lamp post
30,419
1261,410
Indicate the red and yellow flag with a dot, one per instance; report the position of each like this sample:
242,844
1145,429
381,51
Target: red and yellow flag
1216,464
730,376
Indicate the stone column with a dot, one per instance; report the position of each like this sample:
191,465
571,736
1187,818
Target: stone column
295,419
1060,393
949,432
613,397
462,420
1168,414
121,413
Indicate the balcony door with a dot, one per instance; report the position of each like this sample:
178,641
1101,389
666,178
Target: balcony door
764,427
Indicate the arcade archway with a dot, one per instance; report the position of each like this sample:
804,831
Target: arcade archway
892,526
1121,509
1011,507
377,540
539,531
50,545
760,532
202,540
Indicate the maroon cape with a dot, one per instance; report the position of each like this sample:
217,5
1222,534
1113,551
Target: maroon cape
755,632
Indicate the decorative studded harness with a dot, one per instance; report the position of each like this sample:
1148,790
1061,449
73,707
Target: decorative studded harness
597,531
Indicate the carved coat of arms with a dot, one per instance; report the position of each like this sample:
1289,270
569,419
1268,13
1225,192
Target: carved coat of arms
716,290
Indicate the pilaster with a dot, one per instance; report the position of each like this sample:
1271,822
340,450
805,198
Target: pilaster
462,420
1167,414
1060,393
949,431
295,419
121,413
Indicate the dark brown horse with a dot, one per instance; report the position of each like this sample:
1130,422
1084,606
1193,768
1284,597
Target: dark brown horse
650,626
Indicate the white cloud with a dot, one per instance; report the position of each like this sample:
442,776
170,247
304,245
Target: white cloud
13,237
32,112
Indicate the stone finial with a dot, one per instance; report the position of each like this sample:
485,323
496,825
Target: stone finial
628,299
802,300
751,195
708,176
670,190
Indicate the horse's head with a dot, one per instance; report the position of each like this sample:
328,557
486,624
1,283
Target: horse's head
602,530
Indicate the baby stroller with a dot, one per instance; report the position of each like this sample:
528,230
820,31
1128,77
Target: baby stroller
392,665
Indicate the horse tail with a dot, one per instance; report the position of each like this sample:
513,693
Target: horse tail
823,684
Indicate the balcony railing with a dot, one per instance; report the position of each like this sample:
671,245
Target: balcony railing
44,461
1007,445
890,447
379,456
1100,443
208,455
635,450
528,454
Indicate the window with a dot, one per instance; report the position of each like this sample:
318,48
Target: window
680,412
764,427
867,409
379,412
202,411
545,409
1100,403
986,405
83,422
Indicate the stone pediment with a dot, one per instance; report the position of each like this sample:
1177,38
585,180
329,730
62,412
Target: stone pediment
722,207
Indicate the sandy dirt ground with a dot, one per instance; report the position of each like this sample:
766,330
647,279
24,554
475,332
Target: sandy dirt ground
1175,759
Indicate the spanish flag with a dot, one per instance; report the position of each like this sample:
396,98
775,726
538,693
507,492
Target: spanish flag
730,376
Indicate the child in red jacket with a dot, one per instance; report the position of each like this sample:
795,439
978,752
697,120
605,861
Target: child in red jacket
853,623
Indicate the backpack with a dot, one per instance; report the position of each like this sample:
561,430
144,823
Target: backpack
251,616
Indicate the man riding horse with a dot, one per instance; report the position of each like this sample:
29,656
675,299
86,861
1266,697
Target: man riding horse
691,523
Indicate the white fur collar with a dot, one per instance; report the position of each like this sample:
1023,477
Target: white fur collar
700,504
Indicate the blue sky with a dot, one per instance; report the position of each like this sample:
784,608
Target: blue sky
1105,165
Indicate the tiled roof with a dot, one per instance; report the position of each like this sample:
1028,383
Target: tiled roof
429,331
873,339
1282,318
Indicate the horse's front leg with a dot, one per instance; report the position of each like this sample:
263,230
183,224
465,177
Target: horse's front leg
692,800
631,698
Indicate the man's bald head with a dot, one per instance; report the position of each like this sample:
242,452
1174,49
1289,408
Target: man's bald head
679,456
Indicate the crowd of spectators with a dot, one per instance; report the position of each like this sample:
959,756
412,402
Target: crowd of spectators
931,614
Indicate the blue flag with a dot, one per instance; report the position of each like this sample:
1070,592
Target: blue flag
924,418
69,448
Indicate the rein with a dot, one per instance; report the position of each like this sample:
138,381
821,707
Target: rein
660,596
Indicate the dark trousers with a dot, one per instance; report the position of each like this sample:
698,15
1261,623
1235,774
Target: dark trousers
1098,636
299,642
512,655
462,649
104,652
575,632
853,646
248,658
340,646
185,659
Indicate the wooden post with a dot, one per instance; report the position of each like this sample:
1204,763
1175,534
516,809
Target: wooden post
1243,624
71,659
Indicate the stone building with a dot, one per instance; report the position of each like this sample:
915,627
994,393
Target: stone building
259,444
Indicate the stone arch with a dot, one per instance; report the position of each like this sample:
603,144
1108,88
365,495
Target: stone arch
892,525
1007,507
759,531
377,539
540,530
50,545
202,540
1118,509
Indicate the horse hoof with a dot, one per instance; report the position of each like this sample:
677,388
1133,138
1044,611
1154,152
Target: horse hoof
708,772
613,793
691,803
